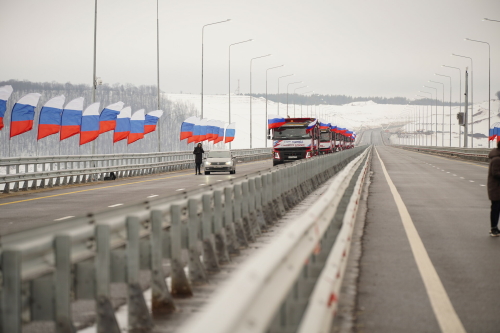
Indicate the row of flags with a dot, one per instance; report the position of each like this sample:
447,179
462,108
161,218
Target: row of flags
276,121
195,129
70,120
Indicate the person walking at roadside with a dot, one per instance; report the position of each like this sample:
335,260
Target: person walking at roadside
494,189
198,158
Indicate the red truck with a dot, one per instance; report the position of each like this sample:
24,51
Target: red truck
296,139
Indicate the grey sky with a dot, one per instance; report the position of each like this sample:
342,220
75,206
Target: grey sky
360,48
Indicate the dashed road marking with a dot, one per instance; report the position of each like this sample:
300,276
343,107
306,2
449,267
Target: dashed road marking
471,181
482,185
462,178
201,184
152,195
64,218
115,205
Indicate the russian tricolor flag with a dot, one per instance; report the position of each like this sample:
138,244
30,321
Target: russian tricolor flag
90,124
136,126
5,92
333,128
151,120
71,118
107,119
212,130
220,134
196,130
187,128
311,125
203,130
494,133
23,113
275,121
323,125
122,128
230,132
49,121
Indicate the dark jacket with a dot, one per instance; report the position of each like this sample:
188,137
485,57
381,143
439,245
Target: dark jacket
494,175
198,152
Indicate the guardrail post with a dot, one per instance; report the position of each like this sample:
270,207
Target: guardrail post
11,291
180,286
255,213
245,214
6,189
62,284
209,253
269,197
219,231
106,320
240,230
16,184
139,319
162,301
197,273
232,244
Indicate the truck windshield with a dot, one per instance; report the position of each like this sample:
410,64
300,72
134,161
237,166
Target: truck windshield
325,137
219,154
291,133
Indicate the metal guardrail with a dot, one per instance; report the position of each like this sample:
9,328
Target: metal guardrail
44,269
293,284
63,170
475,154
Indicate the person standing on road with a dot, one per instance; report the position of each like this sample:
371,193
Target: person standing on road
198,159
494,189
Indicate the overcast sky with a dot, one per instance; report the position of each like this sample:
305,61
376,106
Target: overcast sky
354,47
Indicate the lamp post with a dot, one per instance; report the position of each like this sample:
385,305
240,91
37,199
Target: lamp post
287,94
472,97
307,92
459,96
489,80
251,60
425,122
279,97
94,78
202,46
158,73
294,98
449,77
442,124
436,112
426,92
265,127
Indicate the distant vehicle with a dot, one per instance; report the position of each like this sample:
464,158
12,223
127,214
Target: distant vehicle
220,161
296,139
327,143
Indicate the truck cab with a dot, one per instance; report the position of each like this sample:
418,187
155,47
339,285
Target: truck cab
326,142
296,139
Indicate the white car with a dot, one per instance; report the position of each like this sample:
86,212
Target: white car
220,161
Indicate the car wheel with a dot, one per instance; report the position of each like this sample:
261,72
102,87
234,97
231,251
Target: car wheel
207,172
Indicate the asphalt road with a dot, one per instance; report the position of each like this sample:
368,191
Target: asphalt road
26,210
448,204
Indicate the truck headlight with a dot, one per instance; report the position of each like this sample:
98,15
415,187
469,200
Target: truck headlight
276,155
208,163
229,163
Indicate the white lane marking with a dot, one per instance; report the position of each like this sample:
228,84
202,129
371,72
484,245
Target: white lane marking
471,181
454,175
153,195
462,178
482,185
64,218
181,189
441,305
219,180
447,172
116,205
201,184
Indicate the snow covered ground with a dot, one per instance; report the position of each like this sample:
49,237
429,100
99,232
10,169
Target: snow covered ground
355,116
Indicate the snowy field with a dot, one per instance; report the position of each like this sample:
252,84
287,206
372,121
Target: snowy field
355,116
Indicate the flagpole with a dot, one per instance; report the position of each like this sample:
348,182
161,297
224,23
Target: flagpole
158,71
94,82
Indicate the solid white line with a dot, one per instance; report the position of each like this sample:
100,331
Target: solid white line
153,195
443,309
115,205
64,218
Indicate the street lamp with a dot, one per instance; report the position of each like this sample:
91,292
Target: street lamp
426,92
442,124
287,94
489,79
307,92
436,112
459,97
294,98
425,122
449,77
245,41
472,96
202,46
265,127
251,60
279,90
